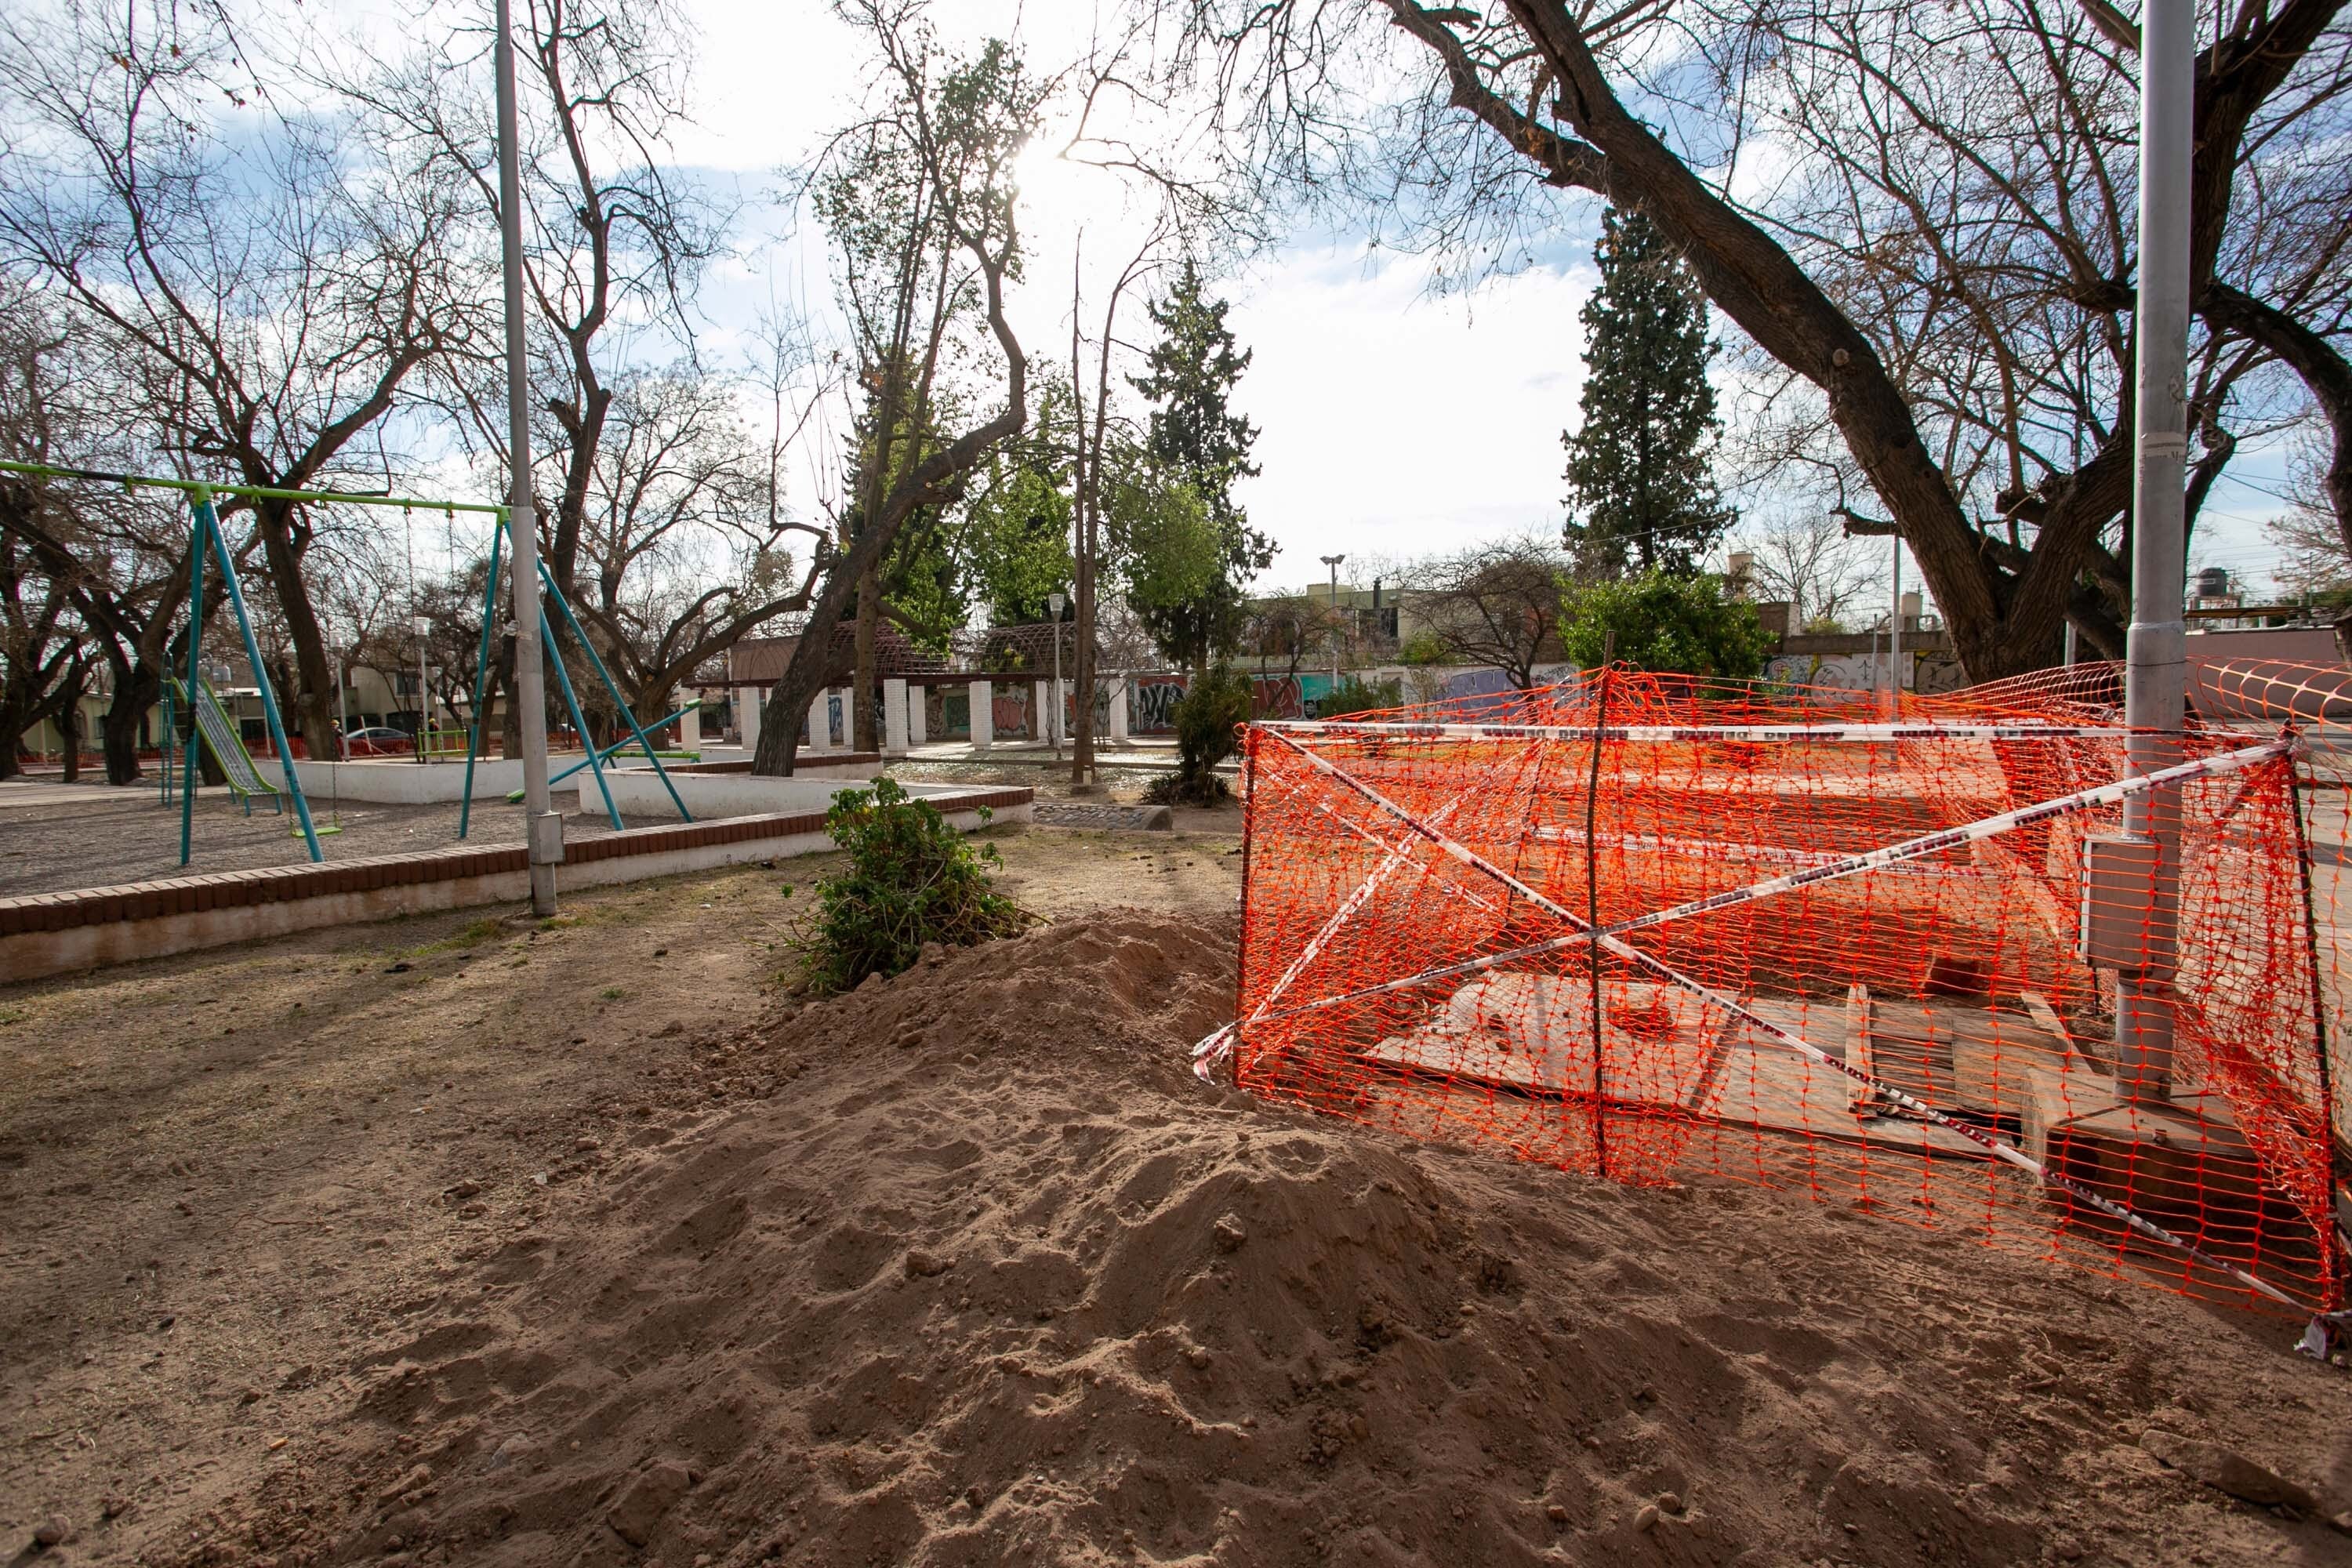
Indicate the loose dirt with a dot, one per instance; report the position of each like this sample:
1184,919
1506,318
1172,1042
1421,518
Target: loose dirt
480,1262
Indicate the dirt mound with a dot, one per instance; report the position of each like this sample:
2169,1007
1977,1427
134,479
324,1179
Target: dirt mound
993,1279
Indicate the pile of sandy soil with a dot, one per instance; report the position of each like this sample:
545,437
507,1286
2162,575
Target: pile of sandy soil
990,1279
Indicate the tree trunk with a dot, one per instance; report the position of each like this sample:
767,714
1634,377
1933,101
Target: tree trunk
313,675
70,718
118,726
863,687
502,679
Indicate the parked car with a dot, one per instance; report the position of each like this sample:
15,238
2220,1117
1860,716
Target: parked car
378,741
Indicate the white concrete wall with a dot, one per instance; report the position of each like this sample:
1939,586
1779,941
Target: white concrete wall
981,696
403,782
640,794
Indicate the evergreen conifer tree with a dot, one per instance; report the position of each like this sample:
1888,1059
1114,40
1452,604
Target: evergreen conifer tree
1639,465
1196,438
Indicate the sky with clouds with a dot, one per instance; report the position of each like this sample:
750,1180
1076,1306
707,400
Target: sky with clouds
1395,422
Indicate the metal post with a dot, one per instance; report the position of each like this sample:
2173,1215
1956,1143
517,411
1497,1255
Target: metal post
1333,563
196,548
1053,602
542,828
208,524
481,687
1895,637
2155,649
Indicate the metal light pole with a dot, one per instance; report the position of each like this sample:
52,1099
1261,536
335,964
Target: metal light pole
2156,650
542,828
1054,602
1333,563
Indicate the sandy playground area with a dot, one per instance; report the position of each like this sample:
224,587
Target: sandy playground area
474,1240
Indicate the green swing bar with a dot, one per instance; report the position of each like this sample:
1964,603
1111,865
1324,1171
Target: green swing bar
206,539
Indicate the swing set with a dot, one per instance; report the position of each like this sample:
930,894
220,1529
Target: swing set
213,730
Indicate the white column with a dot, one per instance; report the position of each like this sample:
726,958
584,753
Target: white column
983,716
918,716
894,717
690,731
1038,711
815,732
748,700
848,718
1118,710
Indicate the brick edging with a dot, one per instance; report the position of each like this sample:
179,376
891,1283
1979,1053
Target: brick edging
198,894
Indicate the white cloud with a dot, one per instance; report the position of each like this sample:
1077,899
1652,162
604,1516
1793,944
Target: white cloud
1396,423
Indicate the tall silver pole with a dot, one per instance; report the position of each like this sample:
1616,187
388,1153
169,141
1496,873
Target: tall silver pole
2156,650
542,828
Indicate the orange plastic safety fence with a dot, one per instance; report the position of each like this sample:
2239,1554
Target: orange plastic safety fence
1840,949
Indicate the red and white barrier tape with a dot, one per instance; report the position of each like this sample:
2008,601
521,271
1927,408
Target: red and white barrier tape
1753,734
1829,868
1219,1045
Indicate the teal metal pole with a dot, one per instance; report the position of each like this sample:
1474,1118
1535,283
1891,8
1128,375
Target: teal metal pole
195,651
572,703
481,680
164,796
612,691
516,794
210,521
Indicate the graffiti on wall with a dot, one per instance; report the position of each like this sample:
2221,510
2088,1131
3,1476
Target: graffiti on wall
1151,704
1008,710
1864,672
1277,697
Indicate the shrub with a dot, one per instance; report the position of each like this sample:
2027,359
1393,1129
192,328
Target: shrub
911,880
1208,715
1665,622
1353,696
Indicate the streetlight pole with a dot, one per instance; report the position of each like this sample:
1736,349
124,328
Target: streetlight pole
1054,602
2156,648
542,828
1333,563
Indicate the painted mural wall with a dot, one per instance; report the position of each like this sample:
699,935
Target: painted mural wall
1861,672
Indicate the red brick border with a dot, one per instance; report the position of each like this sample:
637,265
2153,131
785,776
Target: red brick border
283,884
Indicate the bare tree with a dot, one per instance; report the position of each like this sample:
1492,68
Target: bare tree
273,295
1653,105
1499,603
121,561
920,200
1806,559
682,531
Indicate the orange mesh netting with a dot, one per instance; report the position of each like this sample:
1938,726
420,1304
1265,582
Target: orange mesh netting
1839,951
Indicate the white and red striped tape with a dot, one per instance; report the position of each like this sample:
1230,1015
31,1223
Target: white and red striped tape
1218,1047
1756,735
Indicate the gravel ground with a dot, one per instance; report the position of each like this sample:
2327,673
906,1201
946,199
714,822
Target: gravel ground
104,840
52,841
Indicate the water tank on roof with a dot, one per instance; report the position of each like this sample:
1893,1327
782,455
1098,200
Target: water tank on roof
2212,583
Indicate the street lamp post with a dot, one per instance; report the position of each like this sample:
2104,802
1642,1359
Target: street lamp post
1053,602
1333,563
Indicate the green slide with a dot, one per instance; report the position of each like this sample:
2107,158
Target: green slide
223,741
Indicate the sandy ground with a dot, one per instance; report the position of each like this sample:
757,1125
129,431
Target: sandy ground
224,1177
478,1239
